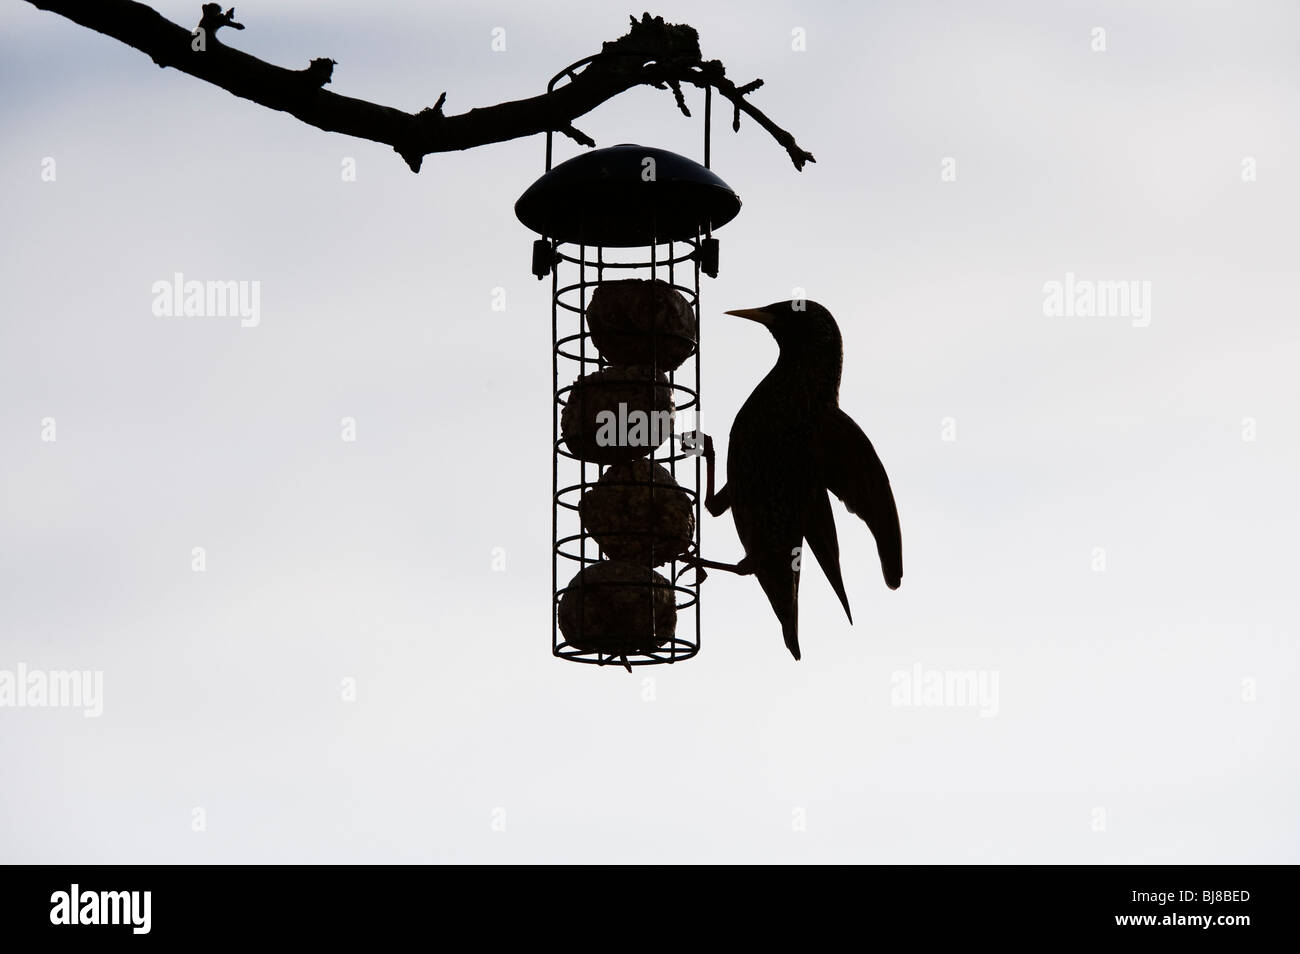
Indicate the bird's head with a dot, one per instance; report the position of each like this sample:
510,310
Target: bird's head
796,325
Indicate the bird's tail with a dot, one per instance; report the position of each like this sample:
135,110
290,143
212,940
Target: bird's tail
780,582
790,629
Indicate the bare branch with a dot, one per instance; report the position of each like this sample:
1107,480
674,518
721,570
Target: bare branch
652,52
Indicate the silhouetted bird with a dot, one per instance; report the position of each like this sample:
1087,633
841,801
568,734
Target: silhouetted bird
789,445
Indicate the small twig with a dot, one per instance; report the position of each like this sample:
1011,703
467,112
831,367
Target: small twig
213,20
578,136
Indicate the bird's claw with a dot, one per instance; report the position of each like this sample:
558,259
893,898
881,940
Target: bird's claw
691,561
697,442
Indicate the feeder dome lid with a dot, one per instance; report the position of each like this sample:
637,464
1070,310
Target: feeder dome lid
602,198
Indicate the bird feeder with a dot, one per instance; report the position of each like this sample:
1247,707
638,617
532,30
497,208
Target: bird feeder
626,233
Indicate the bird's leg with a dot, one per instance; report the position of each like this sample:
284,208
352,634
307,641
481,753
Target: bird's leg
744,568
715,503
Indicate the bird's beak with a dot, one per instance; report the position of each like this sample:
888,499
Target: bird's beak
753,314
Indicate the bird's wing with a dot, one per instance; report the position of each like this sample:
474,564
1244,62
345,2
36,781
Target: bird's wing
819,531
853,472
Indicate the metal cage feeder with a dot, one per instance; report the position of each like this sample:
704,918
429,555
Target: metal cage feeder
607,216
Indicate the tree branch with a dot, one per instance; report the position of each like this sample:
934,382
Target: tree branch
652,53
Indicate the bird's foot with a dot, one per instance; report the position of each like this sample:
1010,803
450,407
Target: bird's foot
697,442
743,568
701,574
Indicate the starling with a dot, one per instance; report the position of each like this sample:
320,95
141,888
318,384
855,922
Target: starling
791,444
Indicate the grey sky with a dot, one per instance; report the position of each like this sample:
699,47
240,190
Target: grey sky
1124,690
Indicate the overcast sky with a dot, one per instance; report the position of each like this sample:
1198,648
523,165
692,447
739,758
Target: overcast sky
1098,511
